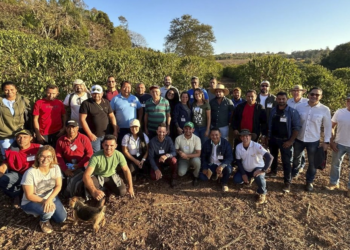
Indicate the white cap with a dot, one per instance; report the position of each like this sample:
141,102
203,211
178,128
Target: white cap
268,83
96,89
135,123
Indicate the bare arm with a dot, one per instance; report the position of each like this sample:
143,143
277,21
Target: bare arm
128,177
168,120
114,123
86,128
39,137
89,184
140,114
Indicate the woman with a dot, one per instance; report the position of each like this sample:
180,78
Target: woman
41,184
201,115
182,113
15,111
172,95
135,149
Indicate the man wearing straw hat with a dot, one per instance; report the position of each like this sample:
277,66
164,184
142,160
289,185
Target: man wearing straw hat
221,110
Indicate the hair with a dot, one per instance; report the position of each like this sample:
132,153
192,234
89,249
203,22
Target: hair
188,101
282,93
123,83
138,84
161,125
215,129
51,86
167,76
141,135
213,78
39,153
7,83
316,88
109,138
173,101
250,91
110,77
195,77
202,93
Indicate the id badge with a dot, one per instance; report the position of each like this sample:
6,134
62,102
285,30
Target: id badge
183,119
187,147
133,104
137,154
161,151
143,105
31,158
191,97
269,105
283,119
220,157
74,147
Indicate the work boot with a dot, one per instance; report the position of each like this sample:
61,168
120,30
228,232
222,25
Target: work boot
332,186
46,227
309,187
195,182
286,187
261,199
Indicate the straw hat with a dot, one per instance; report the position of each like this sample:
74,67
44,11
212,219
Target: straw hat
298,87
220,87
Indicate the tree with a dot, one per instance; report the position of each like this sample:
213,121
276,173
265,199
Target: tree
123,23
120,39
137,39
338,58
188,37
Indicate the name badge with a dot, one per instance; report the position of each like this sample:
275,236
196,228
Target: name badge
191,96
161,151
183,119
187,147
143,105
133,104
137,154
74,147
220,157
269,105
283,119
31,158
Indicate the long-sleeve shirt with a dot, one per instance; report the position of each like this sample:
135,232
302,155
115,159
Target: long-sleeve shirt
156,149
223,149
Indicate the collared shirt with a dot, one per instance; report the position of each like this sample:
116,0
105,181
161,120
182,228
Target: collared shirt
214,157
157,113
236,102
252,157
291,102
9,104
312,119
188,146
132,144
219,112
125,109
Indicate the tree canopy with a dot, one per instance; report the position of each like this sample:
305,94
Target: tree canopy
338,58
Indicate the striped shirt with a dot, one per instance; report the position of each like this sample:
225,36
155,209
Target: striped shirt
156,113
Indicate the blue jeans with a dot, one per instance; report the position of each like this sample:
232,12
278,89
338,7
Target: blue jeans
96,145
311,148
34,208
200,132
286,154
260,180
10,184
226,172
302,159
337,159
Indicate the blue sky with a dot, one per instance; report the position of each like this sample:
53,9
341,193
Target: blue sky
240,25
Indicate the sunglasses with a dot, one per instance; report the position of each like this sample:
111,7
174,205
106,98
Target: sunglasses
264,86
96,89
313,94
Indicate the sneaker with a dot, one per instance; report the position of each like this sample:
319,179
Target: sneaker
272,174
195,182
261,199
309,187
332,186
286,187
301,170
46,227
224,188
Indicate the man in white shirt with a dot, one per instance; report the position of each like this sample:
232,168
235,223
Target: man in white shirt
340,143
188,147
312,115
166,87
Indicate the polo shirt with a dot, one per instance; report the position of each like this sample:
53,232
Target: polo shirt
156,112
97,115
191,95
342,118
188,146
110,94
125,109
132,144
75,104
252,157
50,115
106,166
219,112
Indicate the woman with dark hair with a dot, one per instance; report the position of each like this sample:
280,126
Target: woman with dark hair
182,113
135,149
41,184
201,115
15,111
172,95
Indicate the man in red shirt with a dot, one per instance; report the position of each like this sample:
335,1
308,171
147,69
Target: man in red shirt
73,149
49,117
19,157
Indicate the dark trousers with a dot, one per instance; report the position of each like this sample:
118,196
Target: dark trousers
51,139
109,186
135,170
226,172
10,183
171,162
275,145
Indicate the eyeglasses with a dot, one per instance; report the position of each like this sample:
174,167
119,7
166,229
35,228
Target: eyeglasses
264,86
97,89
49,157
313,94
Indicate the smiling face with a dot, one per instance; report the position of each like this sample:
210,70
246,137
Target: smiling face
155,93
236,94
195,83
10,92
170,94
45,158
109,146
167,81
219,93
184,98
111,83
315,96
246,139
161,133
251,98
281,100
23,140
134,129
126,89
188,131
78,88
215,136
264,88
72,131
140,89
213,83
297,94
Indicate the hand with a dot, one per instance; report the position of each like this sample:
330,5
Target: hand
68,172
163,158
141,164
245,178
287,144
158,174
334,146
206,134
62,132
219,171
325,146
92,137
179,130
40,139
131,192
49,206
205,171
98,194
257,173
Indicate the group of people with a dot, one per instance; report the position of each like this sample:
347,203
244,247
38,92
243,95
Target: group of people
105,132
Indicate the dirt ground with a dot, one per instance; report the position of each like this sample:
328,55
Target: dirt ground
200,218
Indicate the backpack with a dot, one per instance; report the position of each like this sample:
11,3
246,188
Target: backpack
75,186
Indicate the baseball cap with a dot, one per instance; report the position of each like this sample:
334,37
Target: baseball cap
96,89
189,124
267,82
135,123
23,132
72,123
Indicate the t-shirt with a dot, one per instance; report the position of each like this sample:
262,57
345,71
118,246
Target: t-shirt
252,157
106,166
132,144
75,104
199,117
97,115
156,113
125,109
22,159
43,184
342,118
50,115
188,146
279,125
247,117
263,100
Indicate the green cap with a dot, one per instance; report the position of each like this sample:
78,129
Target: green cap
189,124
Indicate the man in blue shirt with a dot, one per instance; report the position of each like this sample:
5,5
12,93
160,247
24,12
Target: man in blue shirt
125,105
195,85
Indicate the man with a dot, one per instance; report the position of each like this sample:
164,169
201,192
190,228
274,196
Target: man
195,85
284,126
221,107
73,148
95,116
313,115
188,147
127,108
167,86
101,177
143,97
340,143
252,167
267,100
157,111
216,158
212,83
237,99
162,152
73,101
111,88
19,157
49,116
